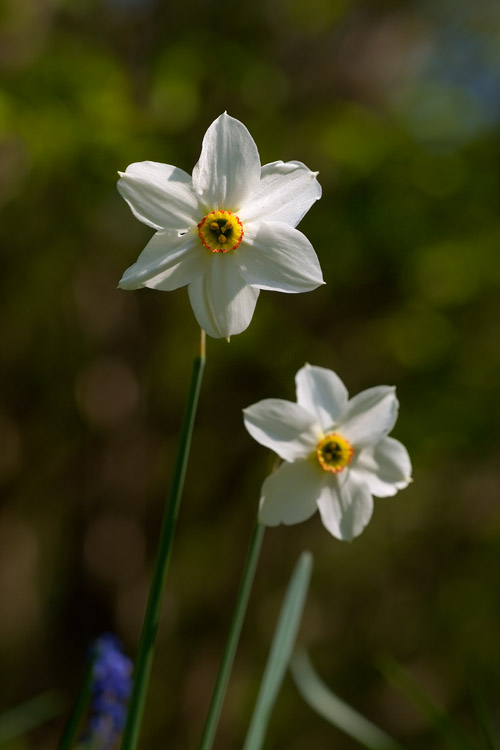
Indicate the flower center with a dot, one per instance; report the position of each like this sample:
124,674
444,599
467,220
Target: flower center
334,453
220,231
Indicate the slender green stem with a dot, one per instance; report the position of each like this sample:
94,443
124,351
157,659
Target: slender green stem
21,719
233,638
70,730
147,643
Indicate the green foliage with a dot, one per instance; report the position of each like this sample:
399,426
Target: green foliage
333,709
281,651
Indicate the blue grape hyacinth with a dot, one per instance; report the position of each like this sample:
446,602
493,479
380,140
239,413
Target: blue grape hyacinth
110,689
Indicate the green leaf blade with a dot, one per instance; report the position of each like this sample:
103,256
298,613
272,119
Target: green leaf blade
322,700
280,652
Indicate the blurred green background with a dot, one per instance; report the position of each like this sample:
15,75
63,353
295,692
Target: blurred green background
397,104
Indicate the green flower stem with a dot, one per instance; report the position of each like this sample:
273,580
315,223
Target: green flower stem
146,647
233,638
70,730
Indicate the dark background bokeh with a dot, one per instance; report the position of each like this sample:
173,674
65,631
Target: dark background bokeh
397,104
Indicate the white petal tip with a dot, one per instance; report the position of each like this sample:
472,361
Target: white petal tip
128,284
267,522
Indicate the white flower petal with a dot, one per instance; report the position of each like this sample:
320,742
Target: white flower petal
160,195
229,167
345,507
385,468
221,300
369,416
284,427
278,258
322,393
286,192
167,262
289,495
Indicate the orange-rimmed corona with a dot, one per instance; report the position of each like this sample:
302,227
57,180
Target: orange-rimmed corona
334,453
220,231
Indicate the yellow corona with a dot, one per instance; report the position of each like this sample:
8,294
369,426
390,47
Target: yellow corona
220,231
334,453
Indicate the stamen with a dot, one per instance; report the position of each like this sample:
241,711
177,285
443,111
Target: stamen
334,453
220,231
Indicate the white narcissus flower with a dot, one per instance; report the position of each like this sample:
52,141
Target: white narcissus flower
228,231
335,450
